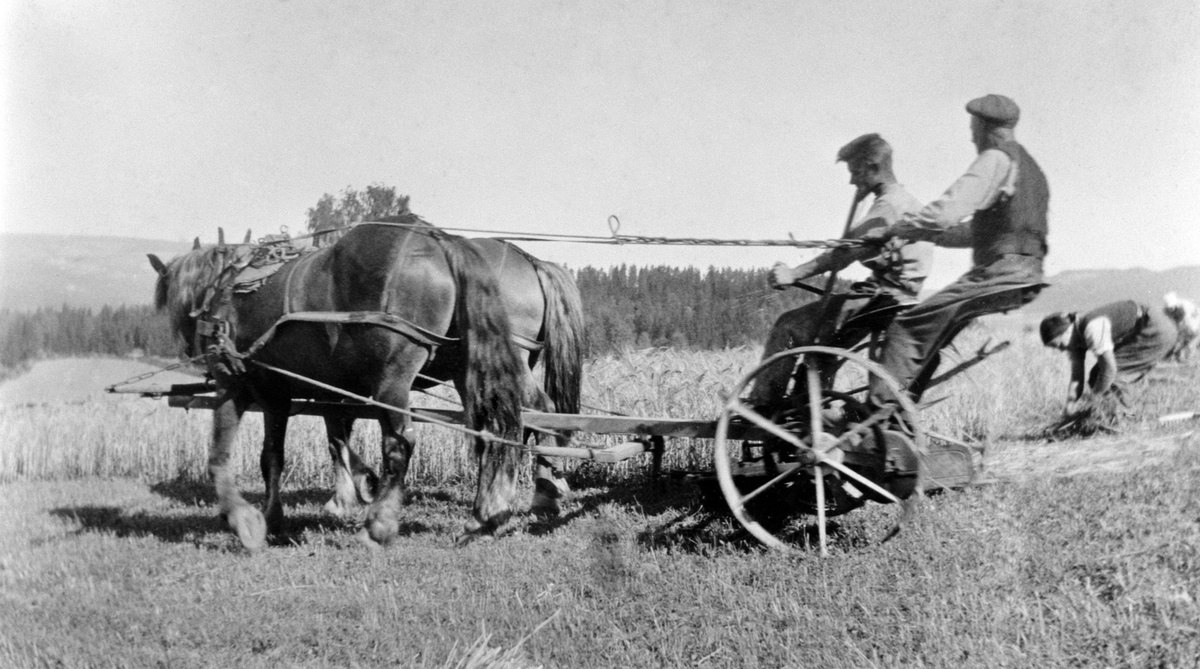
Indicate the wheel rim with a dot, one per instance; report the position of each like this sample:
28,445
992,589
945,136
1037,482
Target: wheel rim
736,499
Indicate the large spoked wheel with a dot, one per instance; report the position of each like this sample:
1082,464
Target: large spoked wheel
821,449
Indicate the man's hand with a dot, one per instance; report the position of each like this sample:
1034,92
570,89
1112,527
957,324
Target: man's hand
781,276
878,236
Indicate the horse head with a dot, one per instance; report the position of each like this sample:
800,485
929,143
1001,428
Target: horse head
186,284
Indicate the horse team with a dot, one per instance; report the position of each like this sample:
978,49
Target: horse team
389,307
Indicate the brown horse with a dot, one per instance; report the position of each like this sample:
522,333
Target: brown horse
420,287
546,315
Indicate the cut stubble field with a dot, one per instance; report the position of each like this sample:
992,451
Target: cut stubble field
1085,553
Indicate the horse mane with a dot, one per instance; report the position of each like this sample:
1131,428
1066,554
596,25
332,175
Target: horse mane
180,289
406,217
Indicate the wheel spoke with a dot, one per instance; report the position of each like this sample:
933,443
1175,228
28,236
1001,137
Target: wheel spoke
789,473
861,428
764,423
856,476
814,405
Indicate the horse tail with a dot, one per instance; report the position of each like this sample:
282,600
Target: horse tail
562,334
492,369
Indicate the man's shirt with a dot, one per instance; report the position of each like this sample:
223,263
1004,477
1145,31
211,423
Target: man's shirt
900,265
991,174
1097,336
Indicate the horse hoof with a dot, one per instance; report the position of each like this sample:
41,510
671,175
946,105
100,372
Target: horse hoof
275,522
383,528
364,537
464,539
545,506
547,494
250,526
472,530
334,508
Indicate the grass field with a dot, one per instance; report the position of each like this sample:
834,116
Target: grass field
1087,554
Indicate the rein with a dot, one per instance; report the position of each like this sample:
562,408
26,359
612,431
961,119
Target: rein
614,226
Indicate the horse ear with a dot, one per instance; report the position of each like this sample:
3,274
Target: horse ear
248,236
157,264
221,237
196,244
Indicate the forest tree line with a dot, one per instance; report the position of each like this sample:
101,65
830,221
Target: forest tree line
625,307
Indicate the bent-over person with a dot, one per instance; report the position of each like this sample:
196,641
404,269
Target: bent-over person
1127,339
898,270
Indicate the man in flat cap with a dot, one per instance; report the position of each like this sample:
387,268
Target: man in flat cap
897,271
998,209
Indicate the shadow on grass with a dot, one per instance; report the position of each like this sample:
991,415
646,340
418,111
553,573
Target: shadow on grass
198,528
199,523
172,528
707,532
693,524
207,529
649,497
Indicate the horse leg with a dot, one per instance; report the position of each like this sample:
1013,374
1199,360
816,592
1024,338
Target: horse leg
354,482
275,420
398,443
495,489
245,520
549,485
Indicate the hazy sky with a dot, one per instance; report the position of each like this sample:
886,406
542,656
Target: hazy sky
164,120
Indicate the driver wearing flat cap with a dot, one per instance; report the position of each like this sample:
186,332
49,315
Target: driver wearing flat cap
998,209
996,110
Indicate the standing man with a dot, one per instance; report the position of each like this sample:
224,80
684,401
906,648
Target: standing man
897,270
1127,338
1006,197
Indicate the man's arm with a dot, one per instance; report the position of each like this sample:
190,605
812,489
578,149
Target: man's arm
942,221
879,216
1097,338
835,260
1105,371
957,236
1076,399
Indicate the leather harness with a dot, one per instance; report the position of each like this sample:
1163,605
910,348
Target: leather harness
215,332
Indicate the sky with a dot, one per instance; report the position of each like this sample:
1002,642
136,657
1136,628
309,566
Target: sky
684,118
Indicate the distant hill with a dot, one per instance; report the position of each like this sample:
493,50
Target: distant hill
53,270
1078,290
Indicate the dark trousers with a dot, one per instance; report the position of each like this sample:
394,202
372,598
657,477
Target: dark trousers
850,321
1138,353
915,337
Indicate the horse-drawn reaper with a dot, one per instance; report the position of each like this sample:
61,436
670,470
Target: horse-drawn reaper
348,330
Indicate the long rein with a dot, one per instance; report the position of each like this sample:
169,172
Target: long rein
616,238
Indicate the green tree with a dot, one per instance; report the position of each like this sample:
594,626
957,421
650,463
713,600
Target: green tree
332,214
